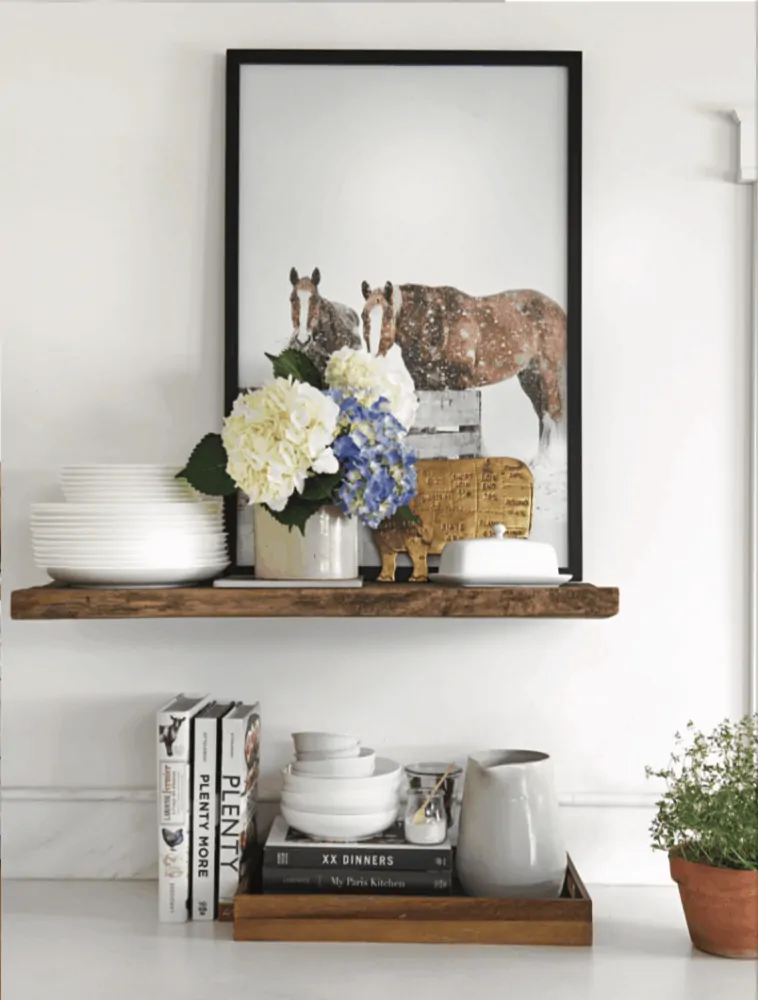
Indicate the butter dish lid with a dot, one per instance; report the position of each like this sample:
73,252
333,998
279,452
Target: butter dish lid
497,556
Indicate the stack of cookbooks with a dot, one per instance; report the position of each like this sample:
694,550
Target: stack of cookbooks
208,766
385,865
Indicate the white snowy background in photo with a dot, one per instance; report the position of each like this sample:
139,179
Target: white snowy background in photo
429,175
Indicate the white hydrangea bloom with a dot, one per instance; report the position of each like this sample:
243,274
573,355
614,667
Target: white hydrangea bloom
370,376
275,436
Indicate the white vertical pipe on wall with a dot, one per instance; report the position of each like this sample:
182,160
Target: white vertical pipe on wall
747,173
752,692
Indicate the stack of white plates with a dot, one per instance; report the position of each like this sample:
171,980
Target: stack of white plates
128,525
338,790
125,484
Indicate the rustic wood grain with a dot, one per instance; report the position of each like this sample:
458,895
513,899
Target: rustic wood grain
447,408
419,920
400,600
446,444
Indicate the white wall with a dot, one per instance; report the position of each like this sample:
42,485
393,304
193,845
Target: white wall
111,125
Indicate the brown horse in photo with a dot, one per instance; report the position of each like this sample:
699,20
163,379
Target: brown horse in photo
451,340
320,327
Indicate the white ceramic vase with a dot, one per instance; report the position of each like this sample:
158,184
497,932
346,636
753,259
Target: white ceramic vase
327,551
510,843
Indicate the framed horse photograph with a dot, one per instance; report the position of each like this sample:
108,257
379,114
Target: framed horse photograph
429,200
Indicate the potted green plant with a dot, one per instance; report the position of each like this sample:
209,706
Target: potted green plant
707,822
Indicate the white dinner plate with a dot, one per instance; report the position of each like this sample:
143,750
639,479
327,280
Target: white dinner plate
209,567
129,494
146,529
142,557
132,559
128,577
180,513
126,526
71,529
136,539
170,486
122,475
155,507
107,475
87,478
104,471
145,520
153,539
450,580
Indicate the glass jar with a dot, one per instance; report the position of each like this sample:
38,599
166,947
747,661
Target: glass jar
425,818
422,777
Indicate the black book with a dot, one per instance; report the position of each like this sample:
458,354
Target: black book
389,851
351,880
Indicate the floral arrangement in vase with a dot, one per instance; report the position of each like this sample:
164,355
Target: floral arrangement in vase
304,442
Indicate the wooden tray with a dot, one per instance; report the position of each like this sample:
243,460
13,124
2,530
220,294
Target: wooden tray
456,919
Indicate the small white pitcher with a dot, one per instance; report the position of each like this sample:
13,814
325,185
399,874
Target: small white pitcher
510,843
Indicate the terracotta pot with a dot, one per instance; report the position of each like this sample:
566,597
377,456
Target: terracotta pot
720,907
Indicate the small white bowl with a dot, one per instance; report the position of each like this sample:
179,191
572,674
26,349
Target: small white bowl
341,803
330,754
311,742
339,828
346,767
387,776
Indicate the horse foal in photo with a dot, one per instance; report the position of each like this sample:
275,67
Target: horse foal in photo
320,327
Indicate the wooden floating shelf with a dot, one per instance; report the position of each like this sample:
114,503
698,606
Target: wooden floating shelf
374,600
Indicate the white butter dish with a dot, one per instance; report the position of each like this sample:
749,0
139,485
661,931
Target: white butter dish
500,561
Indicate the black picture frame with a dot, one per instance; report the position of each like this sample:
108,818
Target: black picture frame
572,62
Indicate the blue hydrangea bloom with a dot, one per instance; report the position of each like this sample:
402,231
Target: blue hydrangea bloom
379,469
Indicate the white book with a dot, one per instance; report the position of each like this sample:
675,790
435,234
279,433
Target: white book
206,744
240,767
174,742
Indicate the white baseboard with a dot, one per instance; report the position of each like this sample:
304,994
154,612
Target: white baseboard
91,833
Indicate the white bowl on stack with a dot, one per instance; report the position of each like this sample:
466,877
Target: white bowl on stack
343,798
361,766
129,526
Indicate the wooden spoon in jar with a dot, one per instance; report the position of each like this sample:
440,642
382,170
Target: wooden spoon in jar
420,813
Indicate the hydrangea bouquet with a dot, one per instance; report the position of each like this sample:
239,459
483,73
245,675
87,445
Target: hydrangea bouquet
303,442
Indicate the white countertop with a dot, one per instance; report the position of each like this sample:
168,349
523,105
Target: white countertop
101,940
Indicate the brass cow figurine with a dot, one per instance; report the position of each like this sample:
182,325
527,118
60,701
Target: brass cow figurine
457,498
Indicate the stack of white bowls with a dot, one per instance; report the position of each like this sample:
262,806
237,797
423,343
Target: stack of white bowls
129,525
337,790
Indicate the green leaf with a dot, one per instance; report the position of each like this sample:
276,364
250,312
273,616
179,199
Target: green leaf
297,365
296,513
206,468
406,516
321,487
